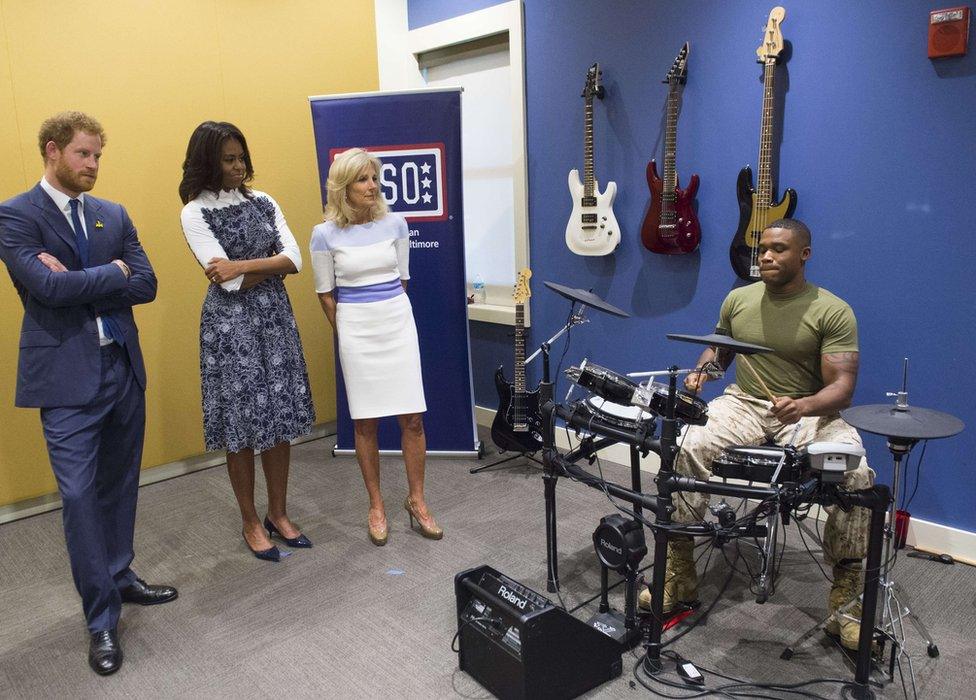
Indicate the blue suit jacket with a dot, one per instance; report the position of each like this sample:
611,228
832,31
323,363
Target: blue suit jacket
60,359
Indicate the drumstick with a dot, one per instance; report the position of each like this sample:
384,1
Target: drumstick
748,365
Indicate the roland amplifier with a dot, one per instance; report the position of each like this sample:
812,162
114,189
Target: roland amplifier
517,644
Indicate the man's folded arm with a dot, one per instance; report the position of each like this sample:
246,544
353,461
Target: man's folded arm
20,245
141,286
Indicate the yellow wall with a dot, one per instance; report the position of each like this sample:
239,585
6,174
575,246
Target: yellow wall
150,72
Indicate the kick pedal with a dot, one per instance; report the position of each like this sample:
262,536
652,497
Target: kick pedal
678,616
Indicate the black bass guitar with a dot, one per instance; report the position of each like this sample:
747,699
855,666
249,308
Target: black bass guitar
517,425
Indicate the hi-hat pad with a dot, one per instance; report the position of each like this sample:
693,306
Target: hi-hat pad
587,299
720,341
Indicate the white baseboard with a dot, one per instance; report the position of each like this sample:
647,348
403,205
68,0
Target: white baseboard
922,534
936,538
153,475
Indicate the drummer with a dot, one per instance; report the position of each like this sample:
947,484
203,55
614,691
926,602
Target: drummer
792,396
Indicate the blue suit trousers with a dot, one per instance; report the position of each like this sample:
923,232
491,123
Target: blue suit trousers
95,452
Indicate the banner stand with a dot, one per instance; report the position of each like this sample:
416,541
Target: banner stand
416,134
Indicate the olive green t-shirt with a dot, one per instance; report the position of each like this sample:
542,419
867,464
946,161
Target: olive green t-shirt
799,328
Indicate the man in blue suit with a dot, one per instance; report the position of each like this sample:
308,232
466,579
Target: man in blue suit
78,267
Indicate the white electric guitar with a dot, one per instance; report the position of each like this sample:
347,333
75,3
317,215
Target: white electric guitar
592,227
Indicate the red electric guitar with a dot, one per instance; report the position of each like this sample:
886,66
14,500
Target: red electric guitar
671,225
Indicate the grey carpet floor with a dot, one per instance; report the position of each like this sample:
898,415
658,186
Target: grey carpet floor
347,619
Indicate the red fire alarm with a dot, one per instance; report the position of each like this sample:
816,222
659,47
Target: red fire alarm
948,32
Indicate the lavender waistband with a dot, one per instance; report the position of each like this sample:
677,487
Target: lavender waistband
380,291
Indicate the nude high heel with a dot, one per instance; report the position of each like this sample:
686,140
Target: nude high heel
428,528
378,534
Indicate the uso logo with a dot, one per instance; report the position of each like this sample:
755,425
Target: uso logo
412,179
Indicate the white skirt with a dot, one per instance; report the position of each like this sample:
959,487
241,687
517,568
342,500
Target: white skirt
380,358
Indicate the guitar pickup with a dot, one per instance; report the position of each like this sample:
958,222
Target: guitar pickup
588,201
667,227
588,218
521,427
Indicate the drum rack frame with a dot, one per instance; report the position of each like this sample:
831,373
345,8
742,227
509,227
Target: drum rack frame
876,499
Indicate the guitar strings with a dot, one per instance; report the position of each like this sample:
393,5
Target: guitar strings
765,160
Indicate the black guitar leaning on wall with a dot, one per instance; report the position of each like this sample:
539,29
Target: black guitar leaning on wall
756,206
517,425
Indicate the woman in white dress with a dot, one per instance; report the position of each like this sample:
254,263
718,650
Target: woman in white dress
360,260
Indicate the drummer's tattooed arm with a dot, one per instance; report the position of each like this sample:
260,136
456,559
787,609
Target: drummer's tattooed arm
839,371
843,362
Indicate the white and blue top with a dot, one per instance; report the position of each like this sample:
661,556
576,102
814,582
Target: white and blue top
199,217
361,262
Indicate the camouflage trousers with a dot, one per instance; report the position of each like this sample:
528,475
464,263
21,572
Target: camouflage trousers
737,418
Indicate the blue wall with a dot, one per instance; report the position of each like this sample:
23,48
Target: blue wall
879,142
420,13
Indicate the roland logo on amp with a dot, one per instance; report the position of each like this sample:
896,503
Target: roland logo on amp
612,548
521,599
412,179
511,597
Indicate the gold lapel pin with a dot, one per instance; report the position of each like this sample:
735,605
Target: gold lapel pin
99,224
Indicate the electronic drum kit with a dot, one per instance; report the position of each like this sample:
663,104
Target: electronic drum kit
622,409
617,400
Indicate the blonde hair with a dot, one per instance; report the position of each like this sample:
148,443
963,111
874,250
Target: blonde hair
346,168
62,127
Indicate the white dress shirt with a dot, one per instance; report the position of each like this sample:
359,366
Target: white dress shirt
62,202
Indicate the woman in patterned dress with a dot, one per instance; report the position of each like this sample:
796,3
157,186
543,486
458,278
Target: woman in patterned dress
256,396
360,259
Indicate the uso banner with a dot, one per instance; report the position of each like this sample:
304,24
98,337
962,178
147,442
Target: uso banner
417,136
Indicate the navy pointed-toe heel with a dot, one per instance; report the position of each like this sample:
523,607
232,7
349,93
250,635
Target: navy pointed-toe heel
272,554
299,542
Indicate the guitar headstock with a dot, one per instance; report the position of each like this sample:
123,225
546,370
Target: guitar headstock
772,42
593,88
522,293
678,74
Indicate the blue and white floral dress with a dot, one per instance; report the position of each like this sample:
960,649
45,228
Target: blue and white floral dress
253,375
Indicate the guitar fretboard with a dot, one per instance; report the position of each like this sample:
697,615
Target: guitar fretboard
764,188
519,419
519,349
668,216
588,148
